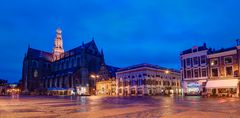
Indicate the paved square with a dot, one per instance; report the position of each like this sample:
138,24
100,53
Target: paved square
118,107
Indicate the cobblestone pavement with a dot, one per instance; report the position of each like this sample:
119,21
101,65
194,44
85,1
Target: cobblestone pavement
119,107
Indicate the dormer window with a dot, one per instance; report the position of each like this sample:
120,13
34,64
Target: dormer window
195,49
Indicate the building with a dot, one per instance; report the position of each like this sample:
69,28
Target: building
3,86
106,83
224,72
147,79
61,72
194,69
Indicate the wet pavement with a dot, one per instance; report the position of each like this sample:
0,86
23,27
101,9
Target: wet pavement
119,107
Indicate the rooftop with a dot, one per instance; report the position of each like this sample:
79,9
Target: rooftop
222,50
147,65
192,50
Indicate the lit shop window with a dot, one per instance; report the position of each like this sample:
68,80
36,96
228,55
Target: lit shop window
229,71
214,62
215,72
228,60
195,61
203,59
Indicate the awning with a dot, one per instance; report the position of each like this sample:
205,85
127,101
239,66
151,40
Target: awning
230,83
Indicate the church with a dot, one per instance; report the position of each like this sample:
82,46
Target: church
62,72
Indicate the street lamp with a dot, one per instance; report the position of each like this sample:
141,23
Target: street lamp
94,77
167,71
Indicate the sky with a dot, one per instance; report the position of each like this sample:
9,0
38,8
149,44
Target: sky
129,31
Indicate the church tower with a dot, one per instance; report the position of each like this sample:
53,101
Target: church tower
58,45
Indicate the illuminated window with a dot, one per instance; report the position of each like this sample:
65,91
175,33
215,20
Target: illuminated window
215,72
35,73
229,71
214,62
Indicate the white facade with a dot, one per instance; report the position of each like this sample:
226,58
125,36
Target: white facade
146,79
194,69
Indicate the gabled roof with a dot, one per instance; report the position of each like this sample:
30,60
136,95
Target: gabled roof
80,48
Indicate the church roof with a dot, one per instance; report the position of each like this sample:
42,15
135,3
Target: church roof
79,49
47,56
39,54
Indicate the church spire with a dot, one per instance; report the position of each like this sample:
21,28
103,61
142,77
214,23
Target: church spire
58,45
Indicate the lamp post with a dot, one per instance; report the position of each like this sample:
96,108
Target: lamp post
93,82
167,72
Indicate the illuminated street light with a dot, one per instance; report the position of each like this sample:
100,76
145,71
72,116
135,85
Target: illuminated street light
167,71
92,76
212,63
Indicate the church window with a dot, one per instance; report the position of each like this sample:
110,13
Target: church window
35,74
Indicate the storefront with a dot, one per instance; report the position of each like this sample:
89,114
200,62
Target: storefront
82,90
193,88
223,88
59,91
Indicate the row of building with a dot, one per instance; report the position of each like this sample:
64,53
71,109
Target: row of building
206,71
83,71
8,88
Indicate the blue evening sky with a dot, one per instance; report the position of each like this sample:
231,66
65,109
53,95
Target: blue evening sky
129,31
